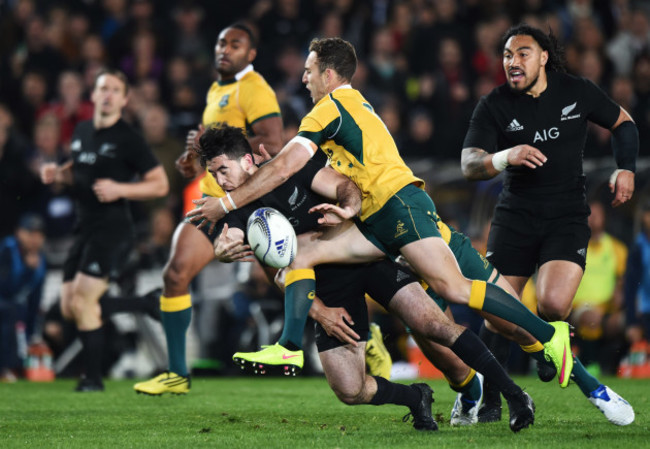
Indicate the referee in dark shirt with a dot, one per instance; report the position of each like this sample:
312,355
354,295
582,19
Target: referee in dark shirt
106,155
534,127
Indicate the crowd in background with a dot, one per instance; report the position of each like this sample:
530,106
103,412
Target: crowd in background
423,65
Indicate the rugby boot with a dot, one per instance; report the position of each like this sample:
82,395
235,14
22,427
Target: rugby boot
275,359
558,350
421,414
87,385
465,410
546,371
616,409
522,411
167,382
153,303
490,409
378,359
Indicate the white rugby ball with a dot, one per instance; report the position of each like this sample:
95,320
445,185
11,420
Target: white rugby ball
271,237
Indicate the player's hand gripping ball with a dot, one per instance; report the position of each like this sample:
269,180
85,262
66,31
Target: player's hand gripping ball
271,237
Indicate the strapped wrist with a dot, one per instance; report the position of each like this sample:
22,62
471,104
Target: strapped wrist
500,160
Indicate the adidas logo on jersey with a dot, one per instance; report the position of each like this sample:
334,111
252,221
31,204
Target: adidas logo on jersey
514,126
582,252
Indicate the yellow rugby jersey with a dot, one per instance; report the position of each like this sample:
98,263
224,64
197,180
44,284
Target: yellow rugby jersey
346,128
239,102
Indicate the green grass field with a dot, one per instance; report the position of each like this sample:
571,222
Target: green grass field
293,413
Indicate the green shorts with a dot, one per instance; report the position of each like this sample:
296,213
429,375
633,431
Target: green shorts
472,263
408,216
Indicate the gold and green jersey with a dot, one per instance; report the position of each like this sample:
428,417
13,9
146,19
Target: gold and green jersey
239,102
359,146
606,263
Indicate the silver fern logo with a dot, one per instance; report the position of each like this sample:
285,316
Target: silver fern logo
567,110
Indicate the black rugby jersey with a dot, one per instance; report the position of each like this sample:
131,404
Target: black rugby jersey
555,123
118,153
293,199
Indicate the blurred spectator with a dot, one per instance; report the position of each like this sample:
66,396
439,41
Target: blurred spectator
54,201
36,54
22,275
419,143
154,251
386,68
93,53
155,126
18,186
34,97
597,306
631,40
70,107
637,283
143,60
641,113
487,60
190,41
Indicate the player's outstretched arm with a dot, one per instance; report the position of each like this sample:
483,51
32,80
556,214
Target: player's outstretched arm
478,164
292,158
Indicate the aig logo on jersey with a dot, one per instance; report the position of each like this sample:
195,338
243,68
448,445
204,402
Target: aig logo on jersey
546,134
567,110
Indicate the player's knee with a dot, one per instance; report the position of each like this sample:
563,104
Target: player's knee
350,394
350,397
176,277
554,311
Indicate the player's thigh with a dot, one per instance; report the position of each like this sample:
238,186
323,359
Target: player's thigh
345,369
408,216
436,264
191,251
66,300
340,244
90,288
422,315
557,283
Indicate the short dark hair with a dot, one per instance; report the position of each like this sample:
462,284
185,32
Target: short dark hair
223,139
246,29
336,54
548,42
117,74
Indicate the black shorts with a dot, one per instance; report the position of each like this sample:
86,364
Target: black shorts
100,251
346,286
525,235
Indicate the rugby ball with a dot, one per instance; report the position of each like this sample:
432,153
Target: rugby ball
271,237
